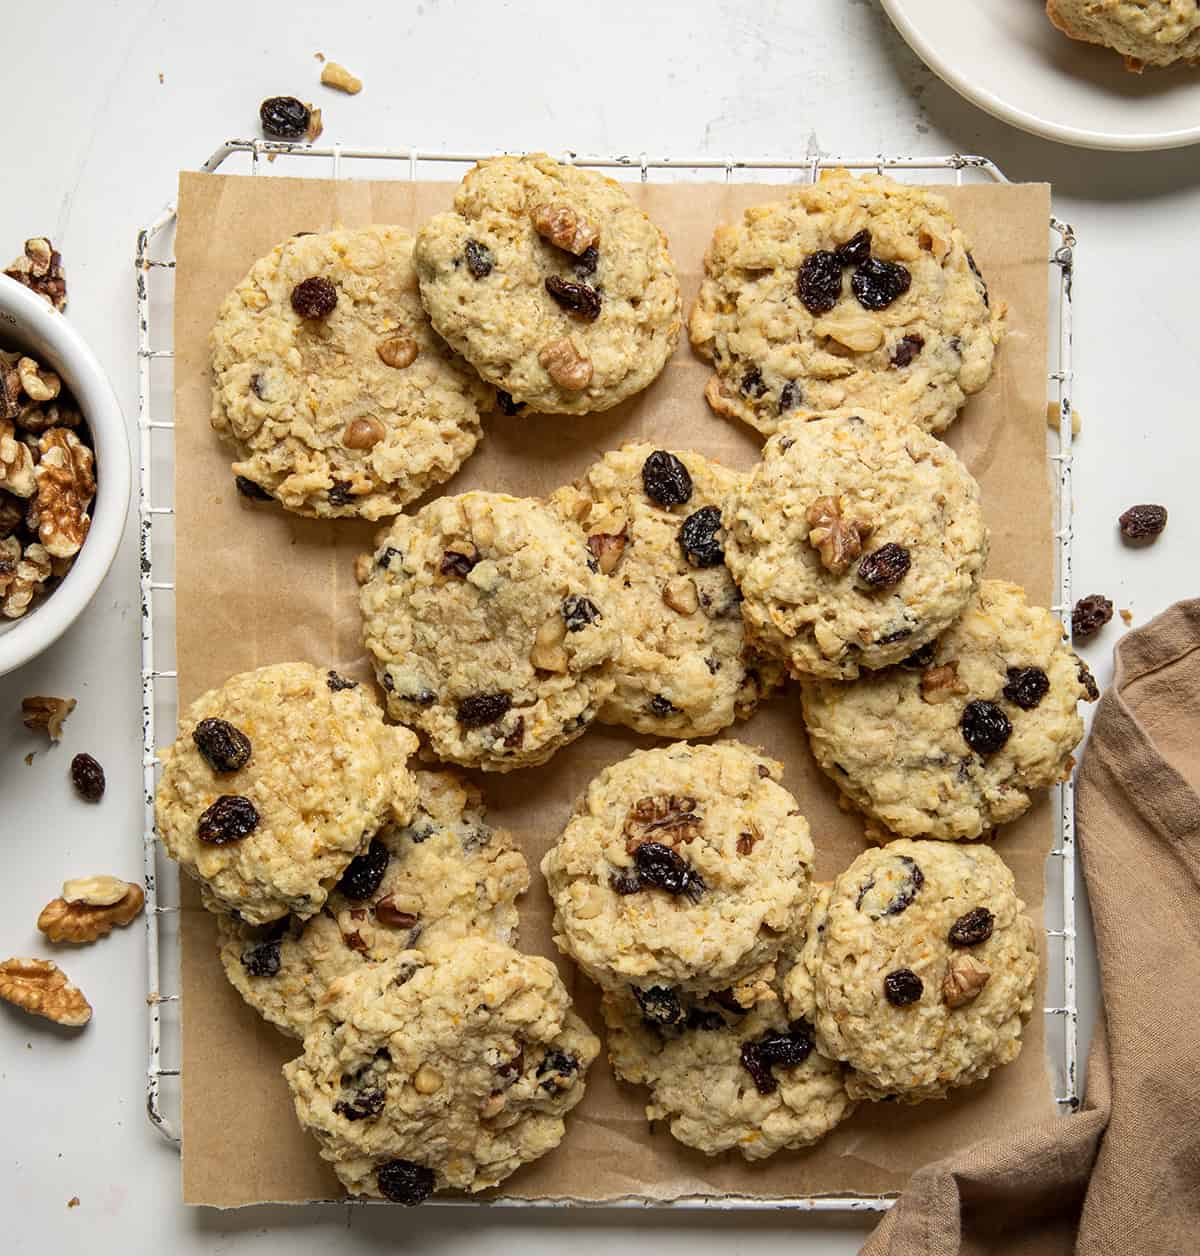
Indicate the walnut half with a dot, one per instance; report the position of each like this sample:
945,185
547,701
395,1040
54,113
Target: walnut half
666,818
940,684
66,485
43,989
48,713
565,365
566,229
90,908
837,539
965,978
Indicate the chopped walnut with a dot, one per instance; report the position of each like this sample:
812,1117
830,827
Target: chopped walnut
39,268
398,351
607,548
87,910
747,840
42,988
940,684
99,891
680,595
548,654
666,818
566,229
965,977
335,75
856,332
565,365
363,434
33,572
16,463
838,539
37,383
11,392
66,485
48,713
37,419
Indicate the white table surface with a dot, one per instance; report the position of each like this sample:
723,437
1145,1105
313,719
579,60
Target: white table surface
93,143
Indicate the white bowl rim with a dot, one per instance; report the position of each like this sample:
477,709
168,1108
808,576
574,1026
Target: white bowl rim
28,321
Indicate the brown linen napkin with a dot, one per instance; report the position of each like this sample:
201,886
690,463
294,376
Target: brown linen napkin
1122,1175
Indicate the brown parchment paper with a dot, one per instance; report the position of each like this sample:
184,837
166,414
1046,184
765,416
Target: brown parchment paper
256,585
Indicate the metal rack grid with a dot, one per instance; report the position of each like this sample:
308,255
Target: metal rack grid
155,266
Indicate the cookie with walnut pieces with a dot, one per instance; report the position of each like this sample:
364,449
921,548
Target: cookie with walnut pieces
1154,33
334,391
552,284
851,292
277,780
422,1075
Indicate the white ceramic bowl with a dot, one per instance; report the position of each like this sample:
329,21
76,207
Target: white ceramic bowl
27,322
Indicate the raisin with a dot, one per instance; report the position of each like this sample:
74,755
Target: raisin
920,659
902,987
229,819
752,383
284,117
661,707
587,261
889,638
88,777
506,405
983,288
339,493
262,959
1027,686
884,567
819,283
790,1049
660,868
225,748
403,1182
902,899
659,1004
704,1020
555,1067
1091,613
385,559
248,488
517,737
907,348
578,299
856,250
1088,681
479,259
481,709
625,883
1143,523
579,612
510,1070
314,297
455,563
338,683
665,480
877,283
698,538
759,1069
791,396
364,873
365,1105
971,929
422,698
985,728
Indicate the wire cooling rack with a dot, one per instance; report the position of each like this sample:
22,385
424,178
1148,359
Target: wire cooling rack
155,271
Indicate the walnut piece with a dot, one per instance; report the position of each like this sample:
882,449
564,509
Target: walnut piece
363,434
37,419
42,988
389,912
316,127
47,713
398,351
565,365
334,75
666,818
566,229
940,684
31,573
856,332
838,540
680,595
16,463
548,654
37,383
607,548
39,268
965,977
66,485
76,919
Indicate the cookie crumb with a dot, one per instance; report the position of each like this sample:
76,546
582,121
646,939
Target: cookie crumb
1054,418
335,75
1127,615
29,758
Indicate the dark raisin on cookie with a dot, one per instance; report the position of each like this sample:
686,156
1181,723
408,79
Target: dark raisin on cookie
579,612
753,384
481,709
364,873
904,896
907,348
456,563
248,488
920,659
660,868
698,538
1026,686
665,479
985,728
224,747
902,987
556,1068
856,250
1142,524
337,684
364,1106
578,299
1091,613
661,707
479,259
404,1182
983,288
819,282
790,396
506,405
625,883
877,283
230,819
284,117
587,261
339,493
788,1050
263,959
972,929
885,567
315,297
659,1004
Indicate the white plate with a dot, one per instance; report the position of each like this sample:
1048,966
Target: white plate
1006,57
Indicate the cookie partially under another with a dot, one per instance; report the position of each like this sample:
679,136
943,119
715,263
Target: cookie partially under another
960,737
854,291
421,1075
330,384
856,539
552,284
651,519
1154,33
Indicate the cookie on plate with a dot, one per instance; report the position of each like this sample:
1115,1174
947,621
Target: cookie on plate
855,540
684,866
651,517
330,384
957,739
421,1075
851,292
445,876
489,630
277,780
1154,33
924,973
552,284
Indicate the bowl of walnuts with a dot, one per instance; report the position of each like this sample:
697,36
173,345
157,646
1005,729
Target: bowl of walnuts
64,462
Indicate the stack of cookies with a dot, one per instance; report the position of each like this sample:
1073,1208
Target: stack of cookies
368,908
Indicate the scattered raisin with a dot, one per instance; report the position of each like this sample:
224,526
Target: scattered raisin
661,707
1091,613
456,563
884,567
625,882
365,1105
758,1068
1027,686
877,283
660,868
752,383
902,987
971,929
403,1182
481,709
517,737
479,259
907,348
364,873
338,683
339,493
577,299
665,479
587,261
1088,681
229,819
920,659
1143,523
983,288
314,297
262,959
506,405
985,728
819,283
856,250
579,612
225,748
787,1050
284,117
510,1070
385,559
791,396
659,1004
248,488
555,1067
88,777
698,538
